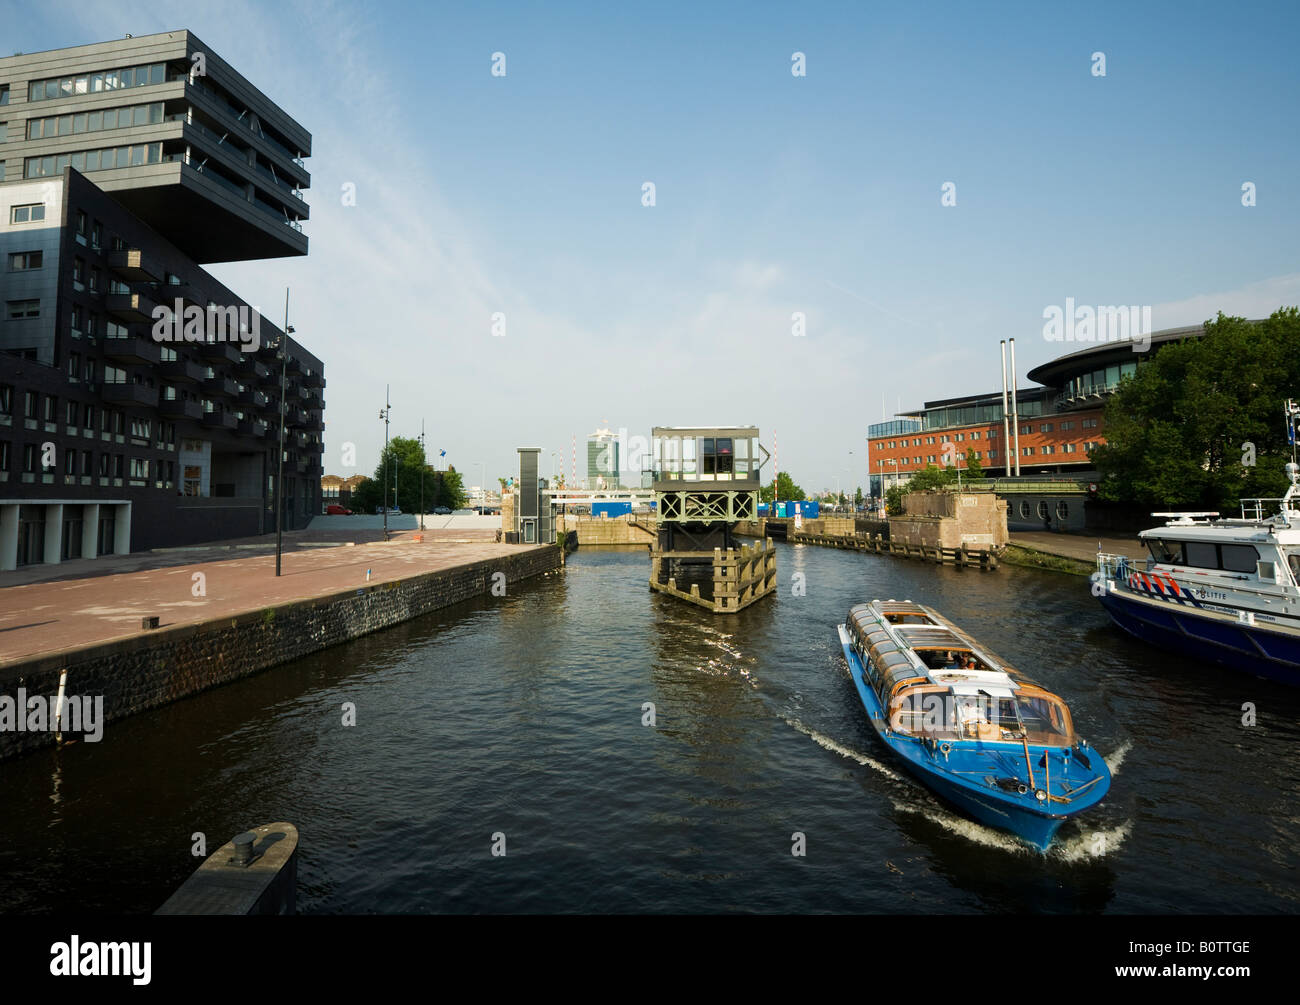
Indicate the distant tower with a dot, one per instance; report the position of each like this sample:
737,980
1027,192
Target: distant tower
705,480
603,460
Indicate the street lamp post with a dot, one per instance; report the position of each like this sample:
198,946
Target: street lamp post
423,465
383,414
279,478
482,499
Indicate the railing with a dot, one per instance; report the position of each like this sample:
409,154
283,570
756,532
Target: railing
1264,508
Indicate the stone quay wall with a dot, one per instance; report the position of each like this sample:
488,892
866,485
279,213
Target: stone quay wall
147,671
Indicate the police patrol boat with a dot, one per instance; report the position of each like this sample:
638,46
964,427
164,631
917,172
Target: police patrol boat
1222,590
978,732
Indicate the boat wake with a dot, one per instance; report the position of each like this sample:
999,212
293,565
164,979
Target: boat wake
822,740
1117,756
964,827
1088,845
1084,846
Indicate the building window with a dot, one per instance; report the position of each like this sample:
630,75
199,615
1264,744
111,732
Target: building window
31,213
18,309
72,413
87,463
93,122
96,83
4,94
1046,427
81,227
74,366
193,479
1089,423
975,435
1049,449
1066,426
89,161
1068,448
4,455
26,261
139,468
1027,451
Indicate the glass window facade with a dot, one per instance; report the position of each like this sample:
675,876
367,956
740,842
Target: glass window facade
96,121
96,83
87,161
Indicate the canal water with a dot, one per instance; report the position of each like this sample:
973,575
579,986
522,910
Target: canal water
522,718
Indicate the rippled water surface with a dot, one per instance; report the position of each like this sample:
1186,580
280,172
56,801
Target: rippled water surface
523,716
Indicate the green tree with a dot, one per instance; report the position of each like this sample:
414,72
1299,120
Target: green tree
974,469
401,465
1200,423
931,478
857,497
789,491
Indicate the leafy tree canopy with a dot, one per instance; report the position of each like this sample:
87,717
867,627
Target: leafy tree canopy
1200,424
787,488
401,464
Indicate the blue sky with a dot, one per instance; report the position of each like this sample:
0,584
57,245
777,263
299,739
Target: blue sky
774,194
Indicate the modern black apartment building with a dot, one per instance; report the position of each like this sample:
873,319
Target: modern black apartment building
126,166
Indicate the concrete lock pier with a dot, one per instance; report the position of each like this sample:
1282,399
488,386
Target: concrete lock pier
706,480
255,872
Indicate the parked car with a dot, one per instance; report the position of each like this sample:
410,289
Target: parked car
334,509
464,512
442,511
392,511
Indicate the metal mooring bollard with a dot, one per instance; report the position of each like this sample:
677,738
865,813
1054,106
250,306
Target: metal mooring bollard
149,622
243,848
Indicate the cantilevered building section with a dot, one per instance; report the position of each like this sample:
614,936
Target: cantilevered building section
125,169
172,132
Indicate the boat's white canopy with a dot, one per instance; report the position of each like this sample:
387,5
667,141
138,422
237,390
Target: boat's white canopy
994,683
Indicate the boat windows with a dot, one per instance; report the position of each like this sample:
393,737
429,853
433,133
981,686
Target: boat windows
1293,560
1239,557
1045,719
1167,552
1205,554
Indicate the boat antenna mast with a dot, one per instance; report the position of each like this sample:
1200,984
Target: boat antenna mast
1292,412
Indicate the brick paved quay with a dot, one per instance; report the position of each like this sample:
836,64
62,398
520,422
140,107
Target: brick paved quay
61,614
87,632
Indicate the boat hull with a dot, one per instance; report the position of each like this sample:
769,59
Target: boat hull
986,805
1250,648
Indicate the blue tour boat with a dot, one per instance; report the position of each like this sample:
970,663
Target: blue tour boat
1222,590
976,731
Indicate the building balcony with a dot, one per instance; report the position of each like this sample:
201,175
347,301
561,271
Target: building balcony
250,366
133,349
312,378
220,420
181,408
221,385
135,265
180,370
218,352
128,393
295,366
132,308
298,418
259,401
252,427
292,390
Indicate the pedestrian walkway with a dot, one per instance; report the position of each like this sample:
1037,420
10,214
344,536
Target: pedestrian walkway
44,617
1082,547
